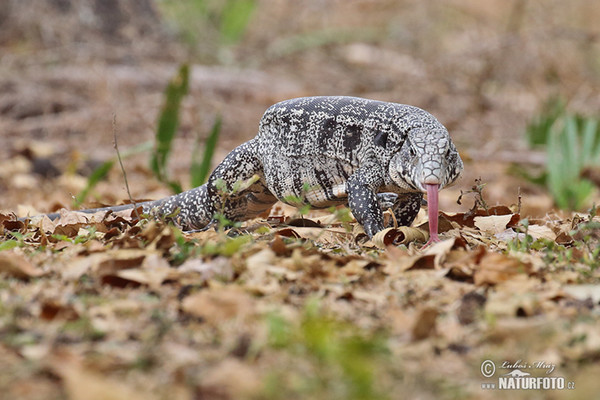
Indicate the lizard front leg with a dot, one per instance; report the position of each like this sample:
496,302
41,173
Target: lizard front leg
363,201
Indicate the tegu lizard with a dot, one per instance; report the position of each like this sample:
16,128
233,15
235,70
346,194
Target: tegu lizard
329,150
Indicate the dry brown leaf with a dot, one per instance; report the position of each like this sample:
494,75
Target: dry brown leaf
278,246
355,267
230,379
494,268
72,230
471,308
398,319
378,299
303,223
399,260
263,276
515,297
397,236
492,224
53,309
541,232
584,292
80,383
467,219
563,238
9,223
460,265
217,305
116,260
16,265
325,235
153,272
288,232
444,224
81,265
440,251
424,325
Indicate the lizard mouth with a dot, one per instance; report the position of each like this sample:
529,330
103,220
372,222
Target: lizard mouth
432,211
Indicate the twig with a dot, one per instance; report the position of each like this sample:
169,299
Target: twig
479,201
116,146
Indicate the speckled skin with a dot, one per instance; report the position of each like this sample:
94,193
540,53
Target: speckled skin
327,151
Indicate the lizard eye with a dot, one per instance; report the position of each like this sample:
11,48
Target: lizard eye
411,151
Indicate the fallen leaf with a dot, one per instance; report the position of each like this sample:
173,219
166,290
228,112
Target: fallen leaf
153,272
116,260
230,379
397,236
440,250
424,325
53,309
16,265
492,224
278,246
468,219
399,261
583,292
216,305
515,298
8,223
471,308
81,383
304,223
541,232
494,268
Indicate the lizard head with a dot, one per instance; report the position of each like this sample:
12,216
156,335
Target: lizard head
427,156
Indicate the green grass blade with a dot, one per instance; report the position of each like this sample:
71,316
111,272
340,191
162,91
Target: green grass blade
589,140
99,174
168,123
200,170
9,244
235,18
539,130
555,171
570,141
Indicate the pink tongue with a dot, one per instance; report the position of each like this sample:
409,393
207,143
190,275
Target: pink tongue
432,209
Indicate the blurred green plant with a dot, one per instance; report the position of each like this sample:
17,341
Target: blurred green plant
104,169
539,129
8,244
166,130
583,253
343,360
95,177
168,123
572,144
200,169
208,26
300,202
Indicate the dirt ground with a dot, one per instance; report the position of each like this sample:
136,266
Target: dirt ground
72,322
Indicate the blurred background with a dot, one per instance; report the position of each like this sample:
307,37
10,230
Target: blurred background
515,82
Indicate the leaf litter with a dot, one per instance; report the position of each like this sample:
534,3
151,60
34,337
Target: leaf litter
108,300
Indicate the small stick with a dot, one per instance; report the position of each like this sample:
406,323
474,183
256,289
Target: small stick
116,146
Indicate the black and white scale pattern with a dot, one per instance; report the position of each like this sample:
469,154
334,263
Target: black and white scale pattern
326,151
